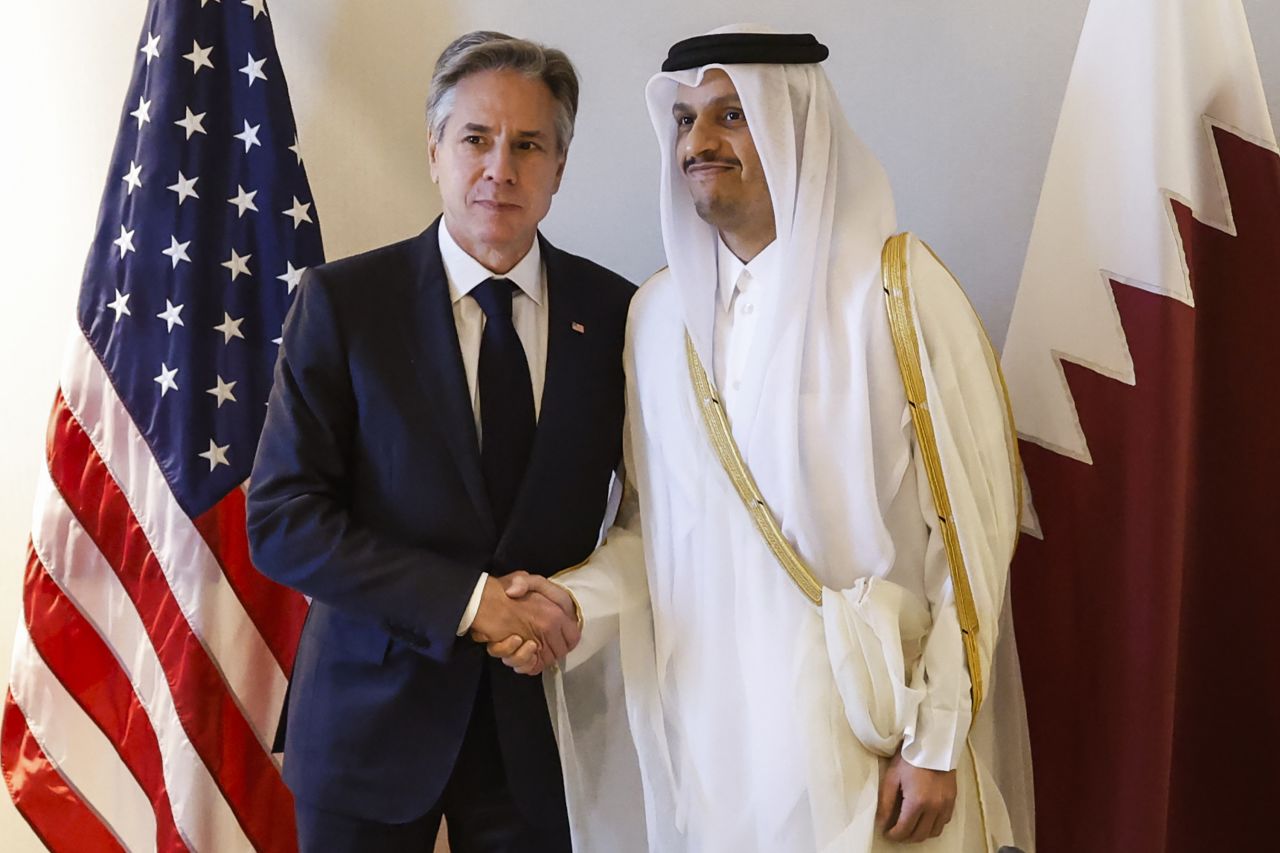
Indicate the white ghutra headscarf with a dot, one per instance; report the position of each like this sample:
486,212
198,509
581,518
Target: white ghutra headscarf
833,211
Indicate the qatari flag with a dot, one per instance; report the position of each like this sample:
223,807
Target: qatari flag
152,659
1140,358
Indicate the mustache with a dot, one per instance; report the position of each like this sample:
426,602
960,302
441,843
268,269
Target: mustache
701,160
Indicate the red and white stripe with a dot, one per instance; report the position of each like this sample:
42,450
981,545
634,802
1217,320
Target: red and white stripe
150,670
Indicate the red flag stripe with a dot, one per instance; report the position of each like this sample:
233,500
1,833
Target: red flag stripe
54,810
206,599
82,662
229,747
275,610
78,750
79,569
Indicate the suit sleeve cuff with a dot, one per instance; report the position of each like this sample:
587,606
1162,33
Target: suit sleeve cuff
473,606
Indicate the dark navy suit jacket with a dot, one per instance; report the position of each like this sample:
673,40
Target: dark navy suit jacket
367,495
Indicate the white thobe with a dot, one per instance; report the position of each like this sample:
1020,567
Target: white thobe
745,685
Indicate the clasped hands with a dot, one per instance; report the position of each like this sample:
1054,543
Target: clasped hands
527,621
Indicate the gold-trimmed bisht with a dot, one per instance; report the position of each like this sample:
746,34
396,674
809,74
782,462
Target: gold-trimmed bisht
907,346
906,342
717,422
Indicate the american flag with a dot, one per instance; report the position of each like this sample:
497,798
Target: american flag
152,660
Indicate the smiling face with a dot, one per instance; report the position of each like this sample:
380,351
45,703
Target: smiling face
720,164
498,165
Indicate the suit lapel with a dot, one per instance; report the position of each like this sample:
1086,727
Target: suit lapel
431,333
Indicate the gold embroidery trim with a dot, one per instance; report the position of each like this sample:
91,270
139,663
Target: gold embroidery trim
977,787
717,423
907,343
1011,429
555,579
577,605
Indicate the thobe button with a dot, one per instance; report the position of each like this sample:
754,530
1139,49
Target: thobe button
748,308
737,385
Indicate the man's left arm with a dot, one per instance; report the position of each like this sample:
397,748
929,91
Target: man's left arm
918,792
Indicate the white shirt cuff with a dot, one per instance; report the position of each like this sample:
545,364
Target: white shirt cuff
936,739
473,606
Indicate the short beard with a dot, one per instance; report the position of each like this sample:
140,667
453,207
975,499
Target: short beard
722,214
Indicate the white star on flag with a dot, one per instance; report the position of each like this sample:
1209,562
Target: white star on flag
199,57
120,305
253,69
291,276
152,47
172,315
142,113
243,201
223,392
237,264
185,187
192,123
297,152
229,328
249,136
298,212
215,454
257,6
125,241
166,378
133,178
177,252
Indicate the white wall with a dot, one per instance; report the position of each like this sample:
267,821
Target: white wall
959,100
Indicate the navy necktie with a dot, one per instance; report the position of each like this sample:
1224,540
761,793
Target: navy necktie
506,399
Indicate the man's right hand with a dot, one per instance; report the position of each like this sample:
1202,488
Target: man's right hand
530,616
526,656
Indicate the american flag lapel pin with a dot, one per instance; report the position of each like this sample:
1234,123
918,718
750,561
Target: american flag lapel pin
579,328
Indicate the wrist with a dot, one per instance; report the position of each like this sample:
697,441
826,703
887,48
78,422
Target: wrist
577,605
488,608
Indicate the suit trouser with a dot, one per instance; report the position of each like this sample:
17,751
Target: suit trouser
482,815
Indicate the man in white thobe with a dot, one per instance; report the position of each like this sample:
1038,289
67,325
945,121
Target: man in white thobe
790,626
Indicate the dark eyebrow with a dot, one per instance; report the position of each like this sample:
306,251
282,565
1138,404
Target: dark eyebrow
476,128
721,101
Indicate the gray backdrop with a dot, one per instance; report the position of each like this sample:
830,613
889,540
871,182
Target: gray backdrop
959,100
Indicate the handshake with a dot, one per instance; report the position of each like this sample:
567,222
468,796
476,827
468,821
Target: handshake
526,620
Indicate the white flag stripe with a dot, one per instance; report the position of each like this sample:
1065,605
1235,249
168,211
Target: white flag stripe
207,600
1136,120
74,562
79,749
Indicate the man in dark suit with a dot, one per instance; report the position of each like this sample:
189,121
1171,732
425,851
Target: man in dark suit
446,410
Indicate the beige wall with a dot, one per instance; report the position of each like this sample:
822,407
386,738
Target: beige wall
959,99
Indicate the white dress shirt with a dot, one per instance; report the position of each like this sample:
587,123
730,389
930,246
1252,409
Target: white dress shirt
528,314
743,293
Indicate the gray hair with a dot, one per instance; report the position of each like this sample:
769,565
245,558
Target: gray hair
484,50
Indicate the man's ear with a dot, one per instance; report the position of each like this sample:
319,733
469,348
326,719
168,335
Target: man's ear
564,158
431,157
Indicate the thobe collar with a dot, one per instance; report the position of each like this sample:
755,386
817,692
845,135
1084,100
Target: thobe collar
465,272
730,268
